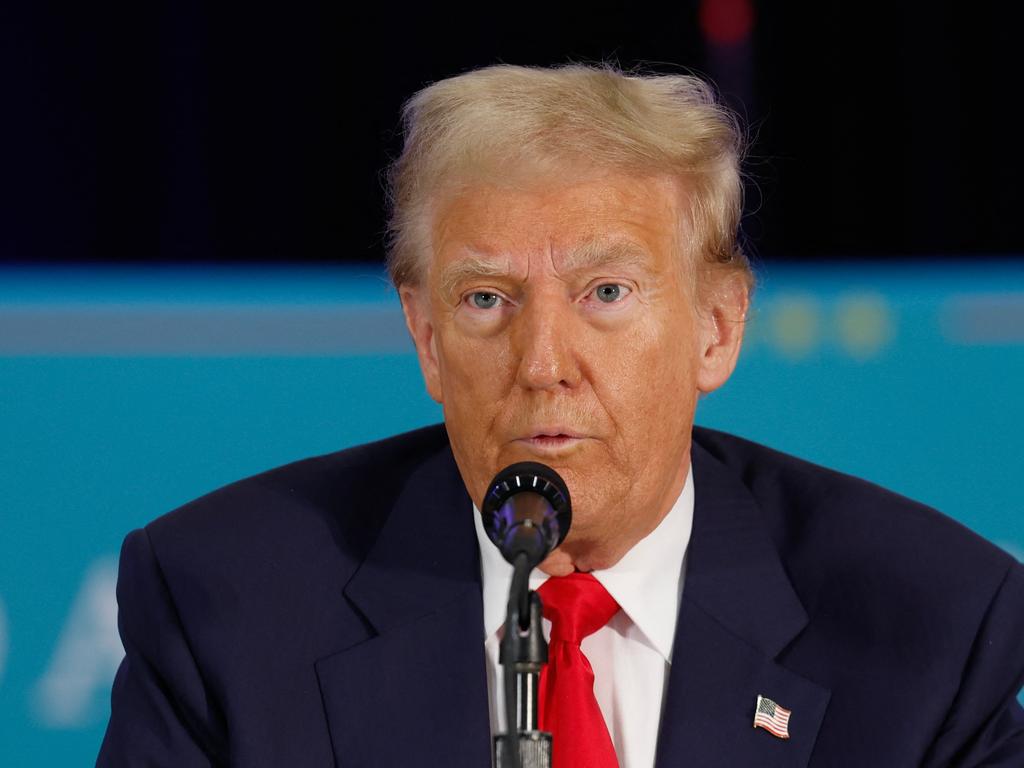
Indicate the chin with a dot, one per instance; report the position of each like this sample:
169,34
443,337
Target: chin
582,552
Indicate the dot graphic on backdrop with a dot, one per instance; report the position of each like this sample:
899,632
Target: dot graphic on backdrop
796,325
865,324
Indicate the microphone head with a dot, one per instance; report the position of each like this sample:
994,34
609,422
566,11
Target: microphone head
527,510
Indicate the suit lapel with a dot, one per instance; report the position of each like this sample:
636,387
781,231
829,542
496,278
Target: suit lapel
738,612
418,685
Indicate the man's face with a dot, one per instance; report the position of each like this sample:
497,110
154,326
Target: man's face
557,324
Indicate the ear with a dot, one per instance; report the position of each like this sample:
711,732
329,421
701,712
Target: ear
722,320
416,307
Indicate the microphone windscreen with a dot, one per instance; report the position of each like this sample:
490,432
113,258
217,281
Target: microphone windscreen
527,509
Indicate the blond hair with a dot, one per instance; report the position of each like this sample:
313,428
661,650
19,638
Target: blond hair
484,124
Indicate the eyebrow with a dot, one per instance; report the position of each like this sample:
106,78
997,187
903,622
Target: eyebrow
588,255
466,269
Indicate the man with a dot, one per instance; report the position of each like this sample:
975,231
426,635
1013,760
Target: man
565,251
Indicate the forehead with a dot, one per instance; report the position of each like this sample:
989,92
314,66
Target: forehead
569,224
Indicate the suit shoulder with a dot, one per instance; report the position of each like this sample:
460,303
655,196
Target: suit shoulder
343,497
820,516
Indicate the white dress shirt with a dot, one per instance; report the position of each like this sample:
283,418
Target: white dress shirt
631,654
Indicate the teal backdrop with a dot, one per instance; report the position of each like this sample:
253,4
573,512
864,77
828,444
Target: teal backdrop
125,392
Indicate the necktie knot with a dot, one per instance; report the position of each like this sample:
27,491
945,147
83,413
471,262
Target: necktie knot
577,606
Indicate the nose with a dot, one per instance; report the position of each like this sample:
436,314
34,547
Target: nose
546,339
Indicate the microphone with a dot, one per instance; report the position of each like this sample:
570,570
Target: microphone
527,511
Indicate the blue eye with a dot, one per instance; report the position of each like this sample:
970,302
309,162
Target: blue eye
484,300
609,293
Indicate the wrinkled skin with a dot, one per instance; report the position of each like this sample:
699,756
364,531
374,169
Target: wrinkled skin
557,322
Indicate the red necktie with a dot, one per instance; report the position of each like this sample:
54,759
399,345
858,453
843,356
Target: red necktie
577,606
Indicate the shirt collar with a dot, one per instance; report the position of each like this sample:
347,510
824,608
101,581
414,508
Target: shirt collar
647,582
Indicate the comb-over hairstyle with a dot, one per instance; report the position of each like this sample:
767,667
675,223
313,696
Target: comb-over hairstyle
506,122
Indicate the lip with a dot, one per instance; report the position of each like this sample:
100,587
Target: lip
551,431
551,440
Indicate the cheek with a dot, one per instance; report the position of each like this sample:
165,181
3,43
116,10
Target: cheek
478,376
473,369
651,385
474,377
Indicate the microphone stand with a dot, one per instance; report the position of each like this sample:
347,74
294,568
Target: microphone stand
523,652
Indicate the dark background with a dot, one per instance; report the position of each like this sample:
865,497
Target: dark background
192,131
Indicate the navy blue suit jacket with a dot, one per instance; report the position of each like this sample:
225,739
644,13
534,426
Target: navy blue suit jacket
329,613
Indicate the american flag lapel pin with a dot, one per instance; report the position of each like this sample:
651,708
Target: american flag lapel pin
772,717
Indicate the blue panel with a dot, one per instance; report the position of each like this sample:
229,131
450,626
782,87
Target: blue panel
126,392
